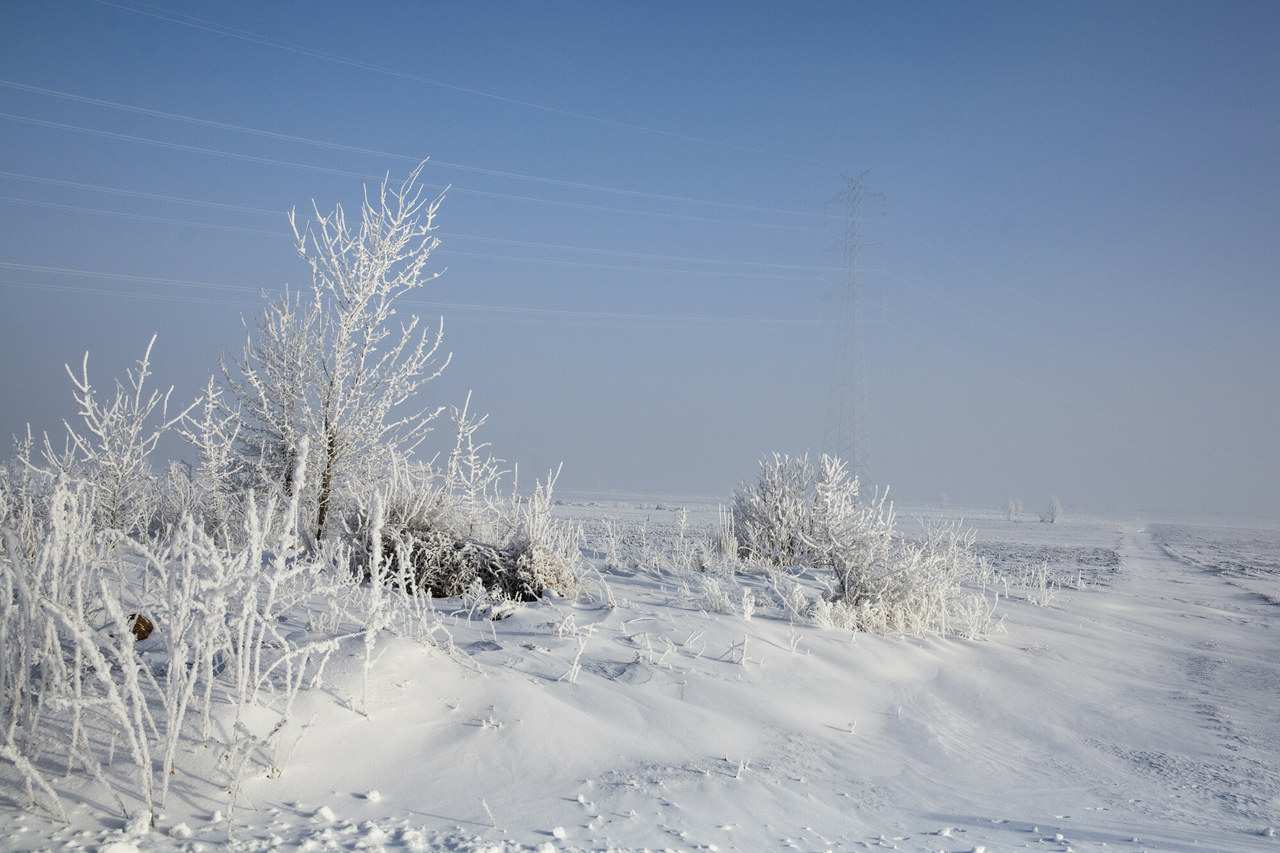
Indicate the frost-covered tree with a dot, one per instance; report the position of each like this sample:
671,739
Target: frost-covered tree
1013,509
332,365
1053,514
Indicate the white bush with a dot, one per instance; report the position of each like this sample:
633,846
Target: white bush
879,581
443,530
25,492
115,441
550,550
771,517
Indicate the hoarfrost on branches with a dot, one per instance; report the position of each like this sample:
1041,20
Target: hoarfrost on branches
331,364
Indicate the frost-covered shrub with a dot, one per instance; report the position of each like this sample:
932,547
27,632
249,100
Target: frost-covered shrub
918,589
115,442
46,599
879,581
25,495
550,549
436,562
771,517
854,539
442,531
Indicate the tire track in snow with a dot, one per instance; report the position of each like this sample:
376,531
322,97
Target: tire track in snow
1221,679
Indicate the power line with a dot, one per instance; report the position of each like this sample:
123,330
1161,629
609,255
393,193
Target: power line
302,50
269,161
802,272
645,255
190,21
142,279
142,217
620,267
267,134
457,306
127,294
239,208
630,317
197,149
139,194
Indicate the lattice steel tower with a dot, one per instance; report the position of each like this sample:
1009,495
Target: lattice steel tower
847,432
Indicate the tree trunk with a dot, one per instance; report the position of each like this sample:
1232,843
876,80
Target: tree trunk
326,483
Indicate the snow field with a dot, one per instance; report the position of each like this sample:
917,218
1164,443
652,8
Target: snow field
1133,712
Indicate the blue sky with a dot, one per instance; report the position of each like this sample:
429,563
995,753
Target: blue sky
1072,288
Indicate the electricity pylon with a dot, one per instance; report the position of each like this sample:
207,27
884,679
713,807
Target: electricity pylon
847,433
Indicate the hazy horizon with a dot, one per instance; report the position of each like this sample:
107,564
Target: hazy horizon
1072,277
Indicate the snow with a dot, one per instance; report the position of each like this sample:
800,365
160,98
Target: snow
1134,710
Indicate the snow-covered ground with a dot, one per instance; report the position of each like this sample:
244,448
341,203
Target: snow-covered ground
1129,700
